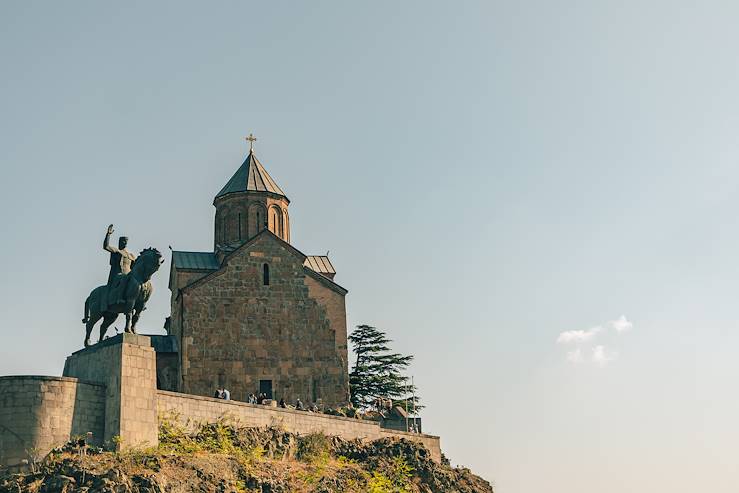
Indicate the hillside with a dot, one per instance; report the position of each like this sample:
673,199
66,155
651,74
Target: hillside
223,457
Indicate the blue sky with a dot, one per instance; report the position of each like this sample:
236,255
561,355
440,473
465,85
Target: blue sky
486,176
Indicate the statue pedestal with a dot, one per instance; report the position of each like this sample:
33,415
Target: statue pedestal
126,365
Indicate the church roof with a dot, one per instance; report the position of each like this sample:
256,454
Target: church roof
195,260
192,259
251,177
320,264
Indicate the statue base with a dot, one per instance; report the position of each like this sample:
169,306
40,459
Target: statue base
126,365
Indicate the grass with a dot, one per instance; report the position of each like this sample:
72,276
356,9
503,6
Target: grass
309,459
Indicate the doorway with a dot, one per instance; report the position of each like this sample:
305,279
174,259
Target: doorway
265,387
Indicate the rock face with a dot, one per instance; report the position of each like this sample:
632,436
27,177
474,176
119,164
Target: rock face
223,458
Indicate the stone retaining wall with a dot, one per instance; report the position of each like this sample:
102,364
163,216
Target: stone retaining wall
109,389
38,413
193,409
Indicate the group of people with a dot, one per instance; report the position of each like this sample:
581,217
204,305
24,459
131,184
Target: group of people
252,398
299,406
257,399
222,393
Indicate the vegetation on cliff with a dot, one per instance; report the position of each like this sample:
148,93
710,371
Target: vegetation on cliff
222,457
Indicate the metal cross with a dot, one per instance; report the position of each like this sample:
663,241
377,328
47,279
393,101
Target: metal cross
251,139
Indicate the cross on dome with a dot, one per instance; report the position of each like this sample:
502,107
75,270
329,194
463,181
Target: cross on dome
251,139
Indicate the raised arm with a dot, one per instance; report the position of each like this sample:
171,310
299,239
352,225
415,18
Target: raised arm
106,241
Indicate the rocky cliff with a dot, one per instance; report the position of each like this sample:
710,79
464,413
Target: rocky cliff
222,457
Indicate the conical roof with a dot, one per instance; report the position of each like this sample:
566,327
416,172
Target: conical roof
251,177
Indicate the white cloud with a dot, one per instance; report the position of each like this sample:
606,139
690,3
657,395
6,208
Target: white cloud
621,324
601,356
575,356
586,350
578,335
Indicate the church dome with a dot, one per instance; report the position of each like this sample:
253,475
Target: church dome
250,202
251,177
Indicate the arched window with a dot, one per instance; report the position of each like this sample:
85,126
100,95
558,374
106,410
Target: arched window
275,221
265,275
256,215
286,223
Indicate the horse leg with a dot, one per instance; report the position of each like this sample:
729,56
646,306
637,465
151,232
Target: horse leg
128,321
108,319
134,319
86,316
91,321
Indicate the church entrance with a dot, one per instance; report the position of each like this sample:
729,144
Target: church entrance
265,387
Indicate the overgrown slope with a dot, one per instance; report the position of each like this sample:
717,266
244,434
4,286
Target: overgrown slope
221,457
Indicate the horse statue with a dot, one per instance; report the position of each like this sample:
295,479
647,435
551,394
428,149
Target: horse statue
128,295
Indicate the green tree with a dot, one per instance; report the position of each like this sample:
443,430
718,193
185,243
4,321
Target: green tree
377,372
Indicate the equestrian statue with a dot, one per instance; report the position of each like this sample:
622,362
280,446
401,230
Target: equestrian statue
128,289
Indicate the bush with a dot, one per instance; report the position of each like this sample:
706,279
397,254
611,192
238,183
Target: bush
313,447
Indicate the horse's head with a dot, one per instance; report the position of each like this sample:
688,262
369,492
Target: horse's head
147,263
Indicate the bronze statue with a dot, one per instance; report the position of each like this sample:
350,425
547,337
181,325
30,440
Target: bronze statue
120,263
125,293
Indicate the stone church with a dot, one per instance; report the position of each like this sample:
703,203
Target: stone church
256,314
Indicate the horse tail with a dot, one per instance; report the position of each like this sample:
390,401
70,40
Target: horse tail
87,311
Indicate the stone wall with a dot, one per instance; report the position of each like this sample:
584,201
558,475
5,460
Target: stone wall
196,409
126,365
234,330
335,305
38,413
113,393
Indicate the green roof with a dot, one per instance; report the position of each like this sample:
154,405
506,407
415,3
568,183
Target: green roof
251,177
195,260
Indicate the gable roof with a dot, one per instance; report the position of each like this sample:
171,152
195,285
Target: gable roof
266,232
251,177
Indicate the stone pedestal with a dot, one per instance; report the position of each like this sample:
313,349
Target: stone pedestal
126,365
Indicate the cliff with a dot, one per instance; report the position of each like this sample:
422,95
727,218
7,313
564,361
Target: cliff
221,457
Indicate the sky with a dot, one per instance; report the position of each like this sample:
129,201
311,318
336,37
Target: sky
536,199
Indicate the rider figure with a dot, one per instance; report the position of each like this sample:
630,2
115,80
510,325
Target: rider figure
120,263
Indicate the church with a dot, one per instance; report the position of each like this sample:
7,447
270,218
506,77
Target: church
255,314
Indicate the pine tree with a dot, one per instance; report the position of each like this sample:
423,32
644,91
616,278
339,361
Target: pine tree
377,371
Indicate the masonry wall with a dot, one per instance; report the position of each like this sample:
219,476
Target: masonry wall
335,305
126,365
193,409
38,413
235,331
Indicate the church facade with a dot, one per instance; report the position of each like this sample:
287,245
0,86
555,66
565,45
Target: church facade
256,314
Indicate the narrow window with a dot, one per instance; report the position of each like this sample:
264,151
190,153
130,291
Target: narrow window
259,224
239,226
265,274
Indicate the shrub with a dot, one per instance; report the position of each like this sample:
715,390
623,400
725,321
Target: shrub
313,447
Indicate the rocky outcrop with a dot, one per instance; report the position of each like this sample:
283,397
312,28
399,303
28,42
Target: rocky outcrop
222,458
